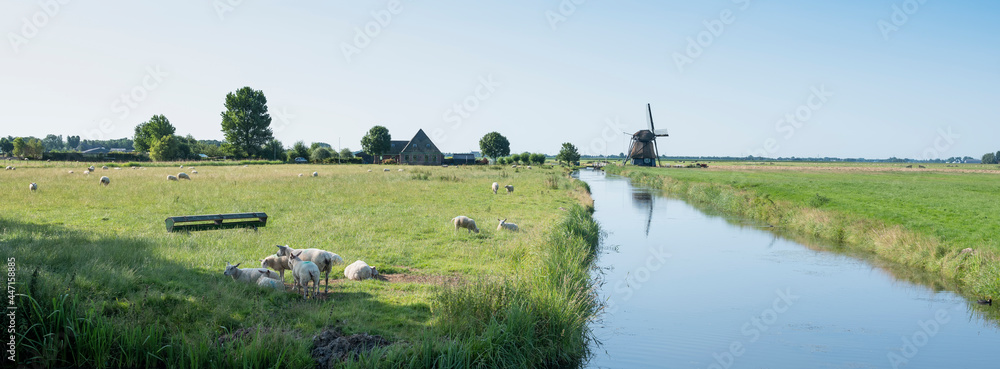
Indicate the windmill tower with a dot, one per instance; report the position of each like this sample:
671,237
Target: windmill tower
642,150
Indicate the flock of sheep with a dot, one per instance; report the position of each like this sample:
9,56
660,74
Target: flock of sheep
106,181
306,266
469,224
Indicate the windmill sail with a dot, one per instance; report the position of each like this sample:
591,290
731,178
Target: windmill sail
652,128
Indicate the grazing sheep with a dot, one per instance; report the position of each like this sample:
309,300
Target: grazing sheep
967,250
105,181
86,172
105,167
183,175
504,225
510,188
529,167
369,170
495,187
400,169
10,167
359,271
118,168
32,186
71,172
278,263
325,260
248,275
90,168
303,272
182,167
194,172
171,177
463,221
385,170
271,283
315,174
300,174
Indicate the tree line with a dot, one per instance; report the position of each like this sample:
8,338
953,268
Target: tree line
991,158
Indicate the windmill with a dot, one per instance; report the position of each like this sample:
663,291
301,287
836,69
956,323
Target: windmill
643,151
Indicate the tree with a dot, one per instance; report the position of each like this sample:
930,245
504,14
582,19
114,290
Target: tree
19,146
494,145
538,159
52,142
321,154
72,142
6,146
989,158
502,161
346,153
515,158
246,123
299,150
376,142
568,154
34,148
150,131
316,145
275,150
164,148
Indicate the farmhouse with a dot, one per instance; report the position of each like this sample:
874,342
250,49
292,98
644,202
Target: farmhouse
419,150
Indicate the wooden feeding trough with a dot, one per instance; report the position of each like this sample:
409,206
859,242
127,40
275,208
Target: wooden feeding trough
216,221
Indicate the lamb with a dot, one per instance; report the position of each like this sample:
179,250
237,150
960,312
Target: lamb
315,174
359,271
33,186
463,221
183,175
325,260
495,187
170,177
248,275
278,263
304,271
510,188
508,226
105,181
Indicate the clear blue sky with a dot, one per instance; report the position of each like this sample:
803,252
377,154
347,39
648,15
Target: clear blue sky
924,83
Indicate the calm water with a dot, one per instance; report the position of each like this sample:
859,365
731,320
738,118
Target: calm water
688,290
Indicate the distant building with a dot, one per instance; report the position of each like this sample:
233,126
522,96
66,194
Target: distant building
469,158
97,150
419,150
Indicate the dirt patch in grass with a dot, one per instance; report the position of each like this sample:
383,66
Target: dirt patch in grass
331,346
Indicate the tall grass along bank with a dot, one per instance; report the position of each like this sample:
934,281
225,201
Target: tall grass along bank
939,222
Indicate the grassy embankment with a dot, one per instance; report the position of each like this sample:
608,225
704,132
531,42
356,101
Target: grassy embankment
110,288
919,219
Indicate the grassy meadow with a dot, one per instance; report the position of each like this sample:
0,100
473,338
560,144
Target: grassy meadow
917,218
117,290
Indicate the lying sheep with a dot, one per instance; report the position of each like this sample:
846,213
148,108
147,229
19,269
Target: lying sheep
495,187
385,170
359,271
105,181
504,225
271,283
248,275
32,186
183,175
463,221
510,188
303,272
325,260
170,177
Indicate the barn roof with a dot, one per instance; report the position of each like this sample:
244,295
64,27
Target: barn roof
419,138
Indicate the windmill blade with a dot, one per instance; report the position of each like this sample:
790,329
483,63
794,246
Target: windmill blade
649,118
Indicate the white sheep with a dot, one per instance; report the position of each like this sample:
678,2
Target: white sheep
463,221
325,260
10,168
183,175
71,172
105,181
510,188
368,170
182,167
300,174
32,186
270,283
385,170
315,174
400,169
504,225
90,168
495,187
170,177
194,172
529,167
86,172
118,168
105,167
248,275
303,272
359,271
